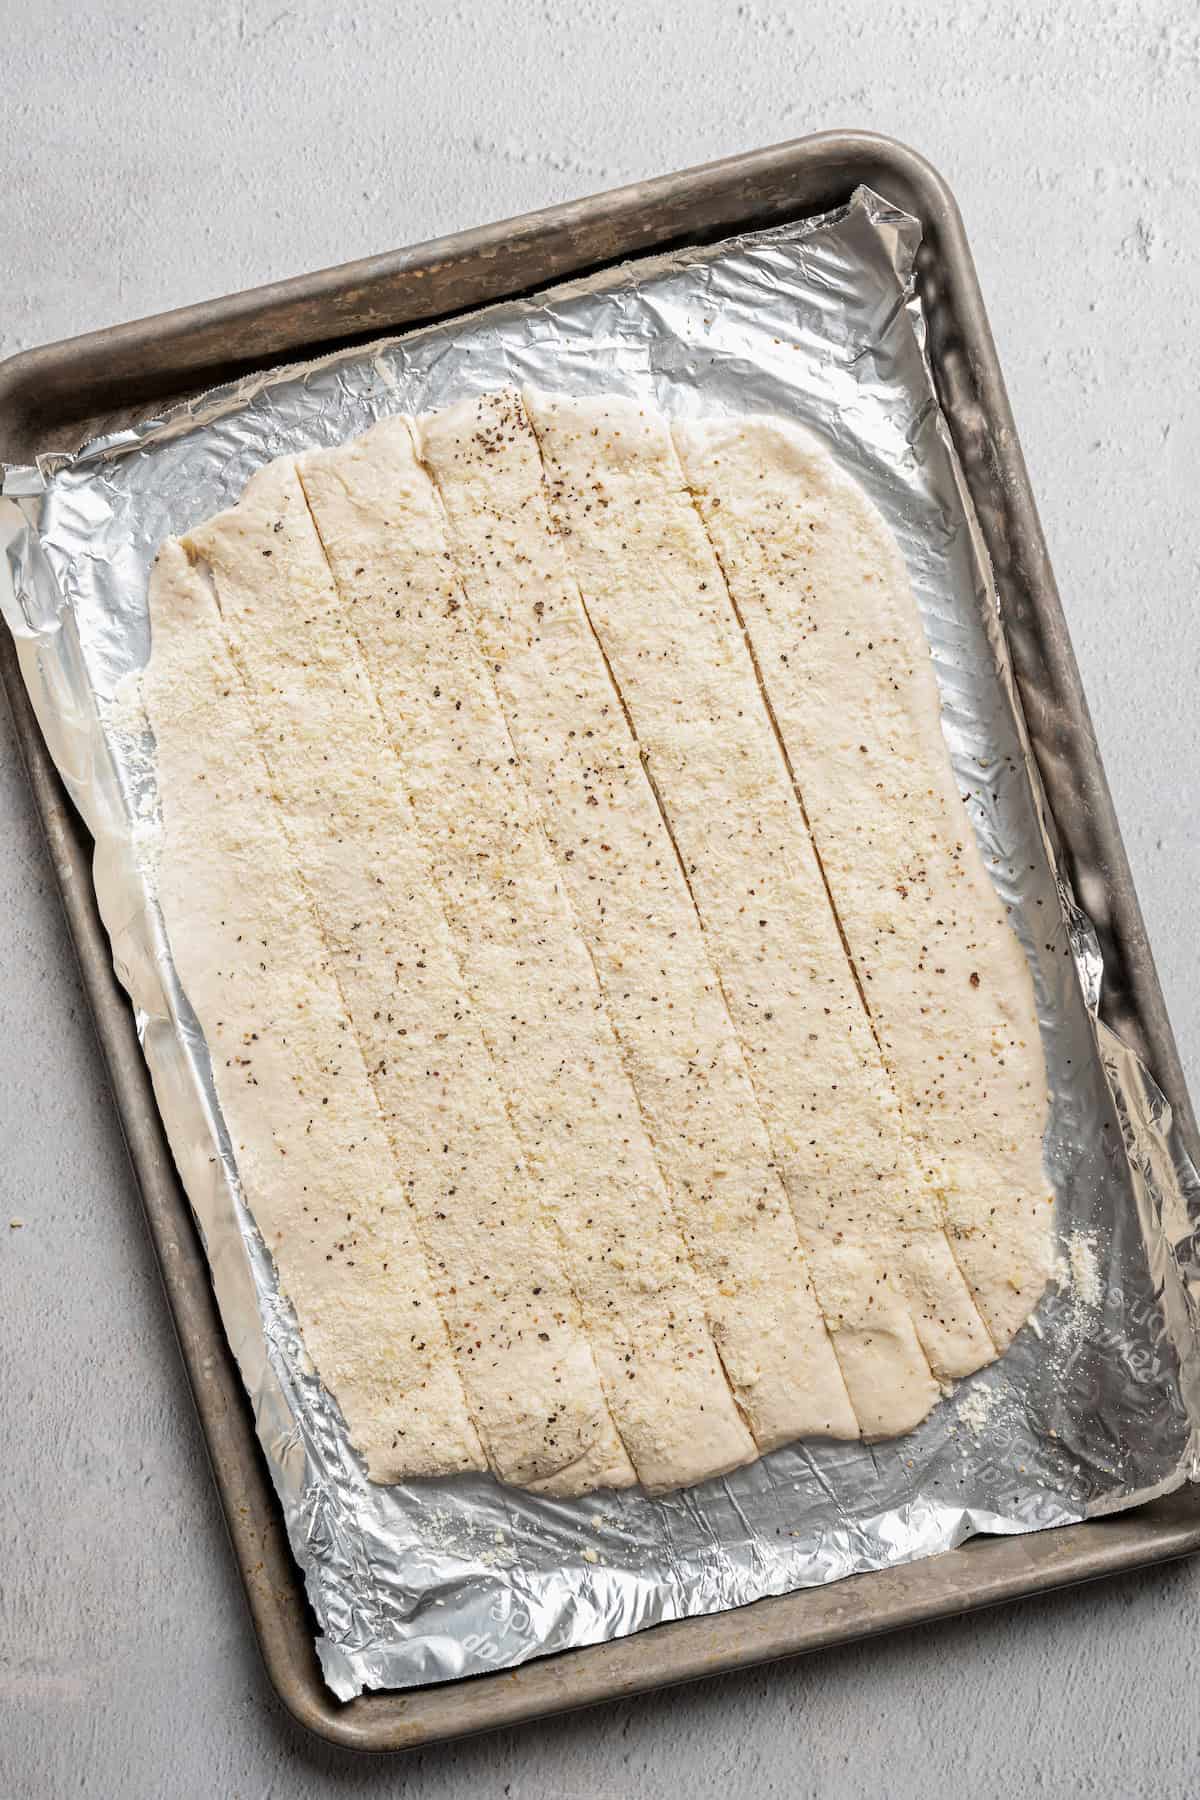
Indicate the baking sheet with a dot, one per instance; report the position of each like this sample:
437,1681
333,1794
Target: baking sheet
1094,1407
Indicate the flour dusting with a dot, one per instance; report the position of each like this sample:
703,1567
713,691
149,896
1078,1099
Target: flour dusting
1085,1268
975,1408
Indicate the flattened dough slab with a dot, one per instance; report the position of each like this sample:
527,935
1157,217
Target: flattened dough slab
313,1156
621,871
658,603
514,1324
527,969
822,589
574,1094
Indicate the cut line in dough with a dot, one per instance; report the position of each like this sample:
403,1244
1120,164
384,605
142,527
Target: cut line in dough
514,1324
888,1284
621,871
313,1158
526,967
822,589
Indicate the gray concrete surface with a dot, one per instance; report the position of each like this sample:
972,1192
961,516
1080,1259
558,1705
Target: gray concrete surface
158,154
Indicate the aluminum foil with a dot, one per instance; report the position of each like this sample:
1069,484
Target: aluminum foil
1096,1404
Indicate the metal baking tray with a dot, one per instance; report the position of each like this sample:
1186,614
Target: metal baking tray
60,396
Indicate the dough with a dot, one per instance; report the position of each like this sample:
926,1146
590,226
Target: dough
525,965
619,866
825,598
312,1153
889,1287
496,1258
626,1057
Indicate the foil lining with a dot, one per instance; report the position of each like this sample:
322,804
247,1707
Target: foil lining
1096,1404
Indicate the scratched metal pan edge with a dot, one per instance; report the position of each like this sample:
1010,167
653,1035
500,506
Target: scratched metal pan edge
58,396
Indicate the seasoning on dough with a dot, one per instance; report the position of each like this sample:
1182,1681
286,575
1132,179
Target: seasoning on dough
825,598
313,1157
619,866
888,1284
525,966
496,1259
626,1056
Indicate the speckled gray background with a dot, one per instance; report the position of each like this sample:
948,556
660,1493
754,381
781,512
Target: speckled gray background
156,155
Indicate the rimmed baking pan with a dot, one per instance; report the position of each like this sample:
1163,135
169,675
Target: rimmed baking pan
58,397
